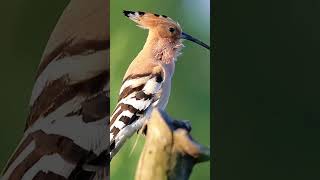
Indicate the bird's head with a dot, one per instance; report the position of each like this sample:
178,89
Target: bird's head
165,35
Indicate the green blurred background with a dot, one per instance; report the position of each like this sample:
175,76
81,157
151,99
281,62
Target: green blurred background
190,97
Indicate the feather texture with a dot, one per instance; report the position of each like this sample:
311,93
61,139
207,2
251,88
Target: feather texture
137,94
64,136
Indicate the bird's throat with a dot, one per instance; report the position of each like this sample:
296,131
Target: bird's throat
165,52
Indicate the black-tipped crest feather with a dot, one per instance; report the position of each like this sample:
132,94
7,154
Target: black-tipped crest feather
126,13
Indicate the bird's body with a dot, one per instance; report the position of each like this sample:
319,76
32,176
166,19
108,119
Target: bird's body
147,82
143,88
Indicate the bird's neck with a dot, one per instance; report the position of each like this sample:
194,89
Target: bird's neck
161,49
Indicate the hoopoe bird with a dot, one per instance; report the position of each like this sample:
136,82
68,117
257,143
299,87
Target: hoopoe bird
147,82
65,131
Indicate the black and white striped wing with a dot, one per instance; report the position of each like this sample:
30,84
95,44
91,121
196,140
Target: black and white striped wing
65,133
137,95
67,121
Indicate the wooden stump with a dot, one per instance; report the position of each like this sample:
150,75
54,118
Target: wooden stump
169,151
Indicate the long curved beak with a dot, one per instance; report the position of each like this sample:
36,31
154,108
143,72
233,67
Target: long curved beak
190,38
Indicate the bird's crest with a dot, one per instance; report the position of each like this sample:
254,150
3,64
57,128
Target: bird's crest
148,20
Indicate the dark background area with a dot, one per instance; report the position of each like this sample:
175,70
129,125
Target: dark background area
266,89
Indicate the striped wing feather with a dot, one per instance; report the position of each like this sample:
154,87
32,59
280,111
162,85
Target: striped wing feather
65,132
137,95
54,144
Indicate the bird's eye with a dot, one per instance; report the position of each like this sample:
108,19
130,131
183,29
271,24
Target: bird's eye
171,29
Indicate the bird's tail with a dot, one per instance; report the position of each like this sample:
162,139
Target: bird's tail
139,133
135,144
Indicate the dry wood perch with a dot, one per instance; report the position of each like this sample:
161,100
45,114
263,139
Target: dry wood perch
169,151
